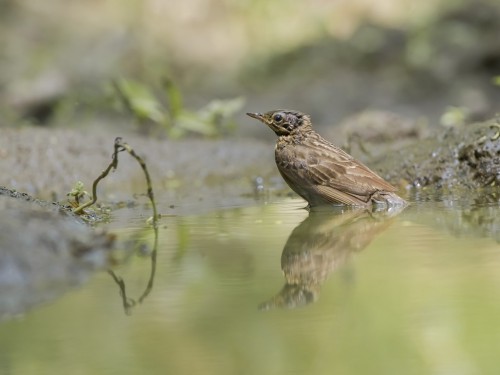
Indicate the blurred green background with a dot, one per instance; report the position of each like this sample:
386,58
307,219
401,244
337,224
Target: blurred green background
62,63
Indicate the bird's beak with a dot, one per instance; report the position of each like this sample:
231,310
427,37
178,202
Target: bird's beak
258,116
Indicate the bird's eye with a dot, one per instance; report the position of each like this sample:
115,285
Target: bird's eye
277,117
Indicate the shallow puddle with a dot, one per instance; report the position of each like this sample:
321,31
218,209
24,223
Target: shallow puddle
270,289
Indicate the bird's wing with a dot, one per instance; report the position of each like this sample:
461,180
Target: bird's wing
330,167
304,180
335,196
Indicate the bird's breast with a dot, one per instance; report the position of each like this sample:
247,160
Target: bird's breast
290,157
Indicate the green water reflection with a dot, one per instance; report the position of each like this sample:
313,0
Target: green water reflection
350,293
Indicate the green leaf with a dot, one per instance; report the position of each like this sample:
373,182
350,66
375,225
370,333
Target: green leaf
192,122
174,98
141,100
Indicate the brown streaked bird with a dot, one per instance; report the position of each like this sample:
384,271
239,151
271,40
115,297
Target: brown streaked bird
319,171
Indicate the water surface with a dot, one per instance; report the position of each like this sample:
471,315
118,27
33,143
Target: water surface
270,289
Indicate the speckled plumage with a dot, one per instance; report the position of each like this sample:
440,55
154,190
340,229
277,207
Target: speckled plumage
319,171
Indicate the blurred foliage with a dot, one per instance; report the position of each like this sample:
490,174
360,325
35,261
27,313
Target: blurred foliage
54,57
166,111
439,47
454,116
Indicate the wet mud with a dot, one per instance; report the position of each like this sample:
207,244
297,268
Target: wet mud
455,158
44,252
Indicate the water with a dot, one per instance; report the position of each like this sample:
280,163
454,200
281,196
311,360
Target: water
254,291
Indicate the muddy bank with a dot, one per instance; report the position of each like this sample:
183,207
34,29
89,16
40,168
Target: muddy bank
44,252
217,173
47,163
458,157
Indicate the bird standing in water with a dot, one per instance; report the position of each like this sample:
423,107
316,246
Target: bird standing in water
320,172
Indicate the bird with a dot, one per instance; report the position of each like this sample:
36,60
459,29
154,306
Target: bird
320,172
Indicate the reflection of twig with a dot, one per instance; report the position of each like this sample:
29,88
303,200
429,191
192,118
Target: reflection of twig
149,287
128,303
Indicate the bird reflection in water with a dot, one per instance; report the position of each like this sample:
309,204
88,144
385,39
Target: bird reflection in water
318,246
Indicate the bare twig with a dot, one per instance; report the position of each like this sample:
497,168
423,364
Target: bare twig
104,173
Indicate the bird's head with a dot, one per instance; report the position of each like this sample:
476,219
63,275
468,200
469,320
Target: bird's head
284,121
